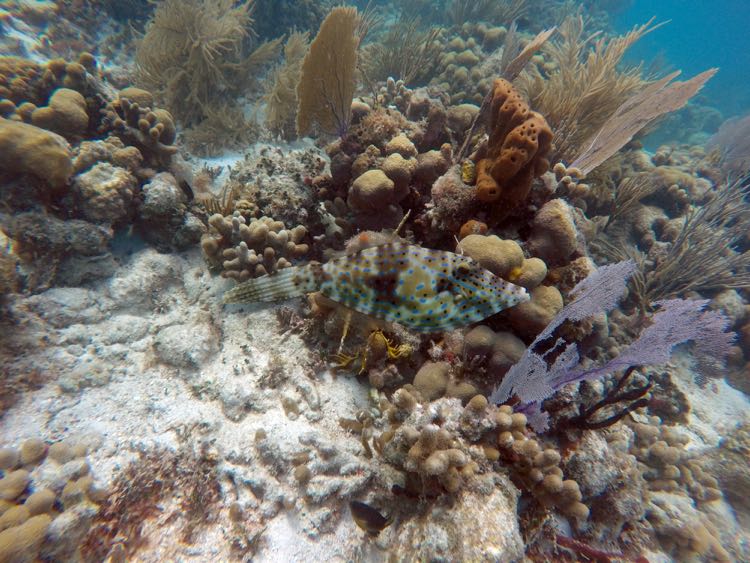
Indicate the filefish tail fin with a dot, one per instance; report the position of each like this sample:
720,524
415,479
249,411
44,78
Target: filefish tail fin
284,284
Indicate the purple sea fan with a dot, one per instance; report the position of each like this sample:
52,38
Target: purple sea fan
534,377
531,378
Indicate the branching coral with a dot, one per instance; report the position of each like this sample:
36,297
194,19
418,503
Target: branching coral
634,114
405,52
463,11
590,417
542,369
152,131
629,192
225,127
515,58
707,253
243,250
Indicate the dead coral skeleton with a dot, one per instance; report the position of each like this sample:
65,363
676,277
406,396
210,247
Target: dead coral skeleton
139,494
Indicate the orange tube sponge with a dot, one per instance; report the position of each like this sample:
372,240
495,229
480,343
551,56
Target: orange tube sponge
516,152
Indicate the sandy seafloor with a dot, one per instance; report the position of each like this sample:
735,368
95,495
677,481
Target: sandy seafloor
151,358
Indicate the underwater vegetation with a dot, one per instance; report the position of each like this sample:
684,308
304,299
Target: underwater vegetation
195,57
380,281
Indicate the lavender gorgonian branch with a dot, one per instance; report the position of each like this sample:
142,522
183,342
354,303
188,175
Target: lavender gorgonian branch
537,375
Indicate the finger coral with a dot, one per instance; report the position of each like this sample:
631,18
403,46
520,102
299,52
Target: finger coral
245,250
151,130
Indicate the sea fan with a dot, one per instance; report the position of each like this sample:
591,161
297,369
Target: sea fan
534,377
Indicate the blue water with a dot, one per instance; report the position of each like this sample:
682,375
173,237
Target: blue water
701,34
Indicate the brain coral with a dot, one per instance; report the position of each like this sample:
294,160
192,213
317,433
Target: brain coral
516,152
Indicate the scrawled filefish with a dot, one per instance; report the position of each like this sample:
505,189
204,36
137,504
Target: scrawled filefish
422,289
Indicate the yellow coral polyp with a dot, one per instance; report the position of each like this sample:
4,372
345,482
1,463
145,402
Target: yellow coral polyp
515,273
468,172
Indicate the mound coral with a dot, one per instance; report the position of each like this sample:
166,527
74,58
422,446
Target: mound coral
105,193
27,83
48,501
26,149
65,114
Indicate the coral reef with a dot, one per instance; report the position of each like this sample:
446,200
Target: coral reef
185,73
27,149
136,124
326,85
281,98
391,408
144,485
